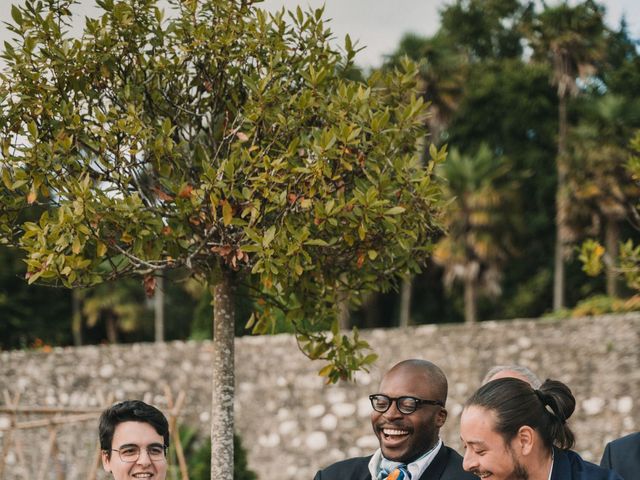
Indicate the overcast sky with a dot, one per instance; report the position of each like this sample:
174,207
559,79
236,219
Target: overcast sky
379,24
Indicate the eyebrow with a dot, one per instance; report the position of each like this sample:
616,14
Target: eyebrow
154,444
473,442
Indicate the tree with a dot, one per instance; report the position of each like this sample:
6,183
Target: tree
486,29
224,141
440,80
571,40
600,184
477,222
628,261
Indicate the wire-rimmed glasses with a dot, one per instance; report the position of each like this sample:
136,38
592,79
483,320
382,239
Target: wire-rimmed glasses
131,453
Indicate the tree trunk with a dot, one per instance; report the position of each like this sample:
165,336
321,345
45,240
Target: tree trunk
223,379
405,301
76,319
111,321
561,206
371,311
343,310
470,300
158,309
612,238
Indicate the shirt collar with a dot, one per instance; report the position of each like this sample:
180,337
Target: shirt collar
416,468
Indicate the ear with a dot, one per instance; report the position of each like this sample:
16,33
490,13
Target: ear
441,417
106,461
525,439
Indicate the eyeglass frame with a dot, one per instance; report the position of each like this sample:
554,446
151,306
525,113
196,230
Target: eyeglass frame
164,451
418,402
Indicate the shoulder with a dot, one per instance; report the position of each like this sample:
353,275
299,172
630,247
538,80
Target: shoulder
628,441
581,469
346,469
453,469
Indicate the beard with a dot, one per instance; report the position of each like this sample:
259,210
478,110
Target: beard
519,471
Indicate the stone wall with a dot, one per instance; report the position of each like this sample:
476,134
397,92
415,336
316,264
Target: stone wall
292,424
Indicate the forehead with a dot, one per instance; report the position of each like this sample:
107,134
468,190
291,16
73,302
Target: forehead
406,381
137,433
477,426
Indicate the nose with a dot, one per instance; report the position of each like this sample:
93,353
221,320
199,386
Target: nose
393,411
144,458
469,461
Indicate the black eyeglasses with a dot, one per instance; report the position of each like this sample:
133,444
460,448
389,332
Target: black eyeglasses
406,405
131,453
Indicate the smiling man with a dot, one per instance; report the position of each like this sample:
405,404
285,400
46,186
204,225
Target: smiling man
407,414
511,431
134,438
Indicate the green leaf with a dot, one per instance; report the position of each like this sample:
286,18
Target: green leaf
16,14
395,211
316,241
269,235
101,249
33,129
227,213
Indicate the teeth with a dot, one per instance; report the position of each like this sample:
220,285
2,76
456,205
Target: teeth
390,431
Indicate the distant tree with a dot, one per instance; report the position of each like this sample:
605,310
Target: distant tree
600,184
224,141
628,261
30,314
486,30
441,78
570,39
477,221
442,74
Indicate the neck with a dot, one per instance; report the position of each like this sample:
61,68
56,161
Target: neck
540,467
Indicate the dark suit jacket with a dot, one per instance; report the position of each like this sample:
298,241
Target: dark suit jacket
447,465
623,456
568,465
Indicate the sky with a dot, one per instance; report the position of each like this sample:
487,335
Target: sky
379,25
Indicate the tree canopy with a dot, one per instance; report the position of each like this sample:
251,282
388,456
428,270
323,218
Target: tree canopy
221,140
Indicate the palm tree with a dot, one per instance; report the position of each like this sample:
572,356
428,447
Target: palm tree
570,39
600,183
478,221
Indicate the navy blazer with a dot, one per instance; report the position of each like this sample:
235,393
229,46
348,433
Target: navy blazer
447,465
623,456
568,465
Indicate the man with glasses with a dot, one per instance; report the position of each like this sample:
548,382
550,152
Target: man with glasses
408,412
134,438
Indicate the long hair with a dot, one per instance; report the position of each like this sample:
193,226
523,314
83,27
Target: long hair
516,403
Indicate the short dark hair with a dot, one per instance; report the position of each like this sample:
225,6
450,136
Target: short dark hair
130,411
516,403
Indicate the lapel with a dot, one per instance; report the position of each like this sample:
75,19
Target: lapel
436,467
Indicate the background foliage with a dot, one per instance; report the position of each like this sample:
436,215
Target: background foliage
485,90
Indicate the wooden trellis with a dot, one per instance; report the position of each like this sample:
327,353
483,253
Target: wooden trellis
54,418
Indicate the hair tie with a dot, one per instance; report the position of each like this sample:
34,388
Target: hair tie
547,406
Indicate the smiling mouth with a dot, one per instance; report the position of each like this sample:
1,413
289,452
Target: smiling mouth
394,432
142,475
394,436
482,474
